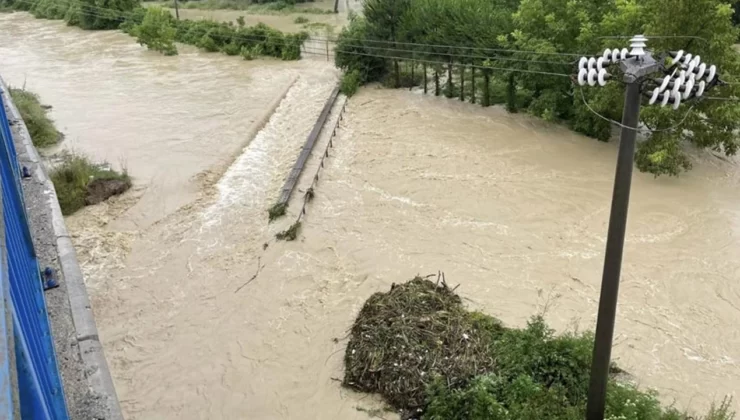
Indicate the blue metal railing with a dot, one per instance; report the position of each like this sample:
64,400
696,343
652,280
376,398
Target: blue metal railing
33,374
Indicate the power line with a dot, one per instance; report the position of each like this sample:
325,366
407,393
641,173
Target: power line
451,55
444,63
122,14
617,123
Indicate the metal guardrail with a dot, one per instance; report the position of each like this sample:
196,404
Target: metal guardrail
30,383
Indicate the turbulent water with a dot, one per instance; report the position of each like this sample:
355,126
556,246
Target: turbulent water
203,315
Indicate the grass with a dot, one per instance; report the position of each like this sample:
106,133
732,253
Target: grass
289,234
40,126
276,211
72,177
430,358
300,19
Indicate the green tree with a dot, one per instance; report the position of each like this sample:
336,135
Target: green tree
102,14
157,31
384,19
711,124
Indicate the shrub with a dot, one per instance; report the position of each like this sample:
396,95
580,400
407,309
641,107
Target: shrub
419,348
300,19
350,82
207,43
157,31
73,176
40,126
231,49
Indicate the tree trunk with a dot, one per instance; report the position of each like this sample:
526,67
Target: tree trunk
511,94
472,97
413,81
398,74
486,89
449,80
462,84
436,82
425,78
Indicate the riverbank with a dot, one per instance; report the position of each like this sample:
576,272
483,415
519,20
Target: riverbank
86,379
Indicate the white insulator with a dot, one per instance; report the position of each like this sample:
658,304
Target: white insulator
712,73
700,89
582,63
676,101
687,59
689,87
600,63
591,63
666,97
582,77
624,53
678,56
602,77
664,85
682,76
592,75
697,60
607,56
701,70
692,65
656,93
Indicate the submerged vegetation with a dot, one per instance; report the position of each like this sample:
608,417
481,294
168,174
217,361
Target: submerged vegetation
289,234
40,126
79,182
514,53
276,211
155,27
426,355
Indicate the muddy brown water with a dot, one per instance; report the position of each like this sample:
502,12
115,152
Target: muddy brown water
513,209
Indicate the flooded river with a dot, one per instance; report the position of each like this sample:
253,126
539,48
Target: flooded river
513,209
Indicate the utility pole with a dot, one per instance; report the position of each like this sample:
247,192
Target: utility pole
637,65
177,10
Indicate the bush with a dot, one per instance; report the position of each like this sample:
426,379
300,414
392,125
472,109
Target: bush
40,126
75,174
427,356
300,19
350,82
157,31
405,338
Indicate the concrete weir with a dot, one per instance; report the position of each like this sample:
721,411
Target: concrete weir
295,173
87,381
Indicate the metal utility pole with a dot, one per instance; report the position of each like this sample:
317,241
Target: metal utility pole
637,66
177,10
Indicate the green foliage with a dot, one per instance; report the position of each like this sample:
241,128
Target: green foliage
418,341
276,211
73,176
279,7
350,83
354,51
160,30
463,32
289,234
40,126
51,9
157,31
102,14
250,42
300,19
